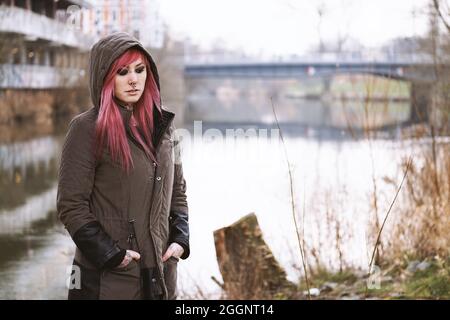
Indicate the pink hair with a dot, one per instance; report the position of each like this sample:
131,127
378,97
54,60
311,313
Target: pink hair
110,127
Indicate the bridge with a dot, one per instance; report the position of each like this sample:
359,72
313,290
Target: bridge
419,70
410,68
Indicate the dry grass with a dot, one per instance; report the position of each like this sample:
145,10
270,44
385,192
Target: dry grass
300,238
423,223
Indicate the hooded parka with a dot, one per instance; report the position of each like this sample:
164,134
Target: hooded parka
107,210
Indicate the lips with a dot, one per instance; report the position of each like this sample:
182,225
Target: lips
132,92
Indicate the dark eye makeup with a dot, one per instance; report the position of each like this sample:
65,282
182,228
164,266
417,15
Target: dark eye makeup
124,71
140,69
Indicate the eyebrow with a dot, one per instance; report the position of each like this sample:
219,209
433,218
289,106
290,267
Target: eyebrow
140,64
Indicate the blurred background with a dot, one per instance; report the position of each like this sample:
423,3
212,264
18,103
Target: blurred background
359,88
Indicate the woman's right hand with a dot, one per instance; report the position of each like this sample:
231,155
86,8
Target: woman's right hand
130,255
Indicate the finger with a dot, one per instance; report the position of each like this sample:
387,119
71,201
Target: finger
124,262
173,245
135,255
167,255
178,250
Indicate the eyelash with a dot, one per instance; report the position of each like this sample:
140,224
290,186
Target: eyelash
124,71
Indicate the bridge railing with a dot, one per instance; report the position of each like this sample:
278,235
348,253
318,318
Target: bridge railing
30,24
314,58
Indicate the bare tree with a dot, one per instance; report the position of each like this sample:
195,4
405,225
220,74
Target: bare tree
321,10
441,6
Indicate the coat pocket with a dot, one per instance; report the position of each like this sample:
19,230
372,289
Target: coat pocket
170,277
121,283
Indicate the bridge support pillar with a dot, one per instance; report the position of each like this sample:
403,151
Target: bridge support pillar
327,84
326,91
420,102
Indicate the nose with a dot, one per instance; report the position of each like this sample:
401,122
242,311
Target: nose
132,77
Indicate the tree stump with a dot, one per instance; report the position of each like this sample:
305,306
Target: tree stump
248,267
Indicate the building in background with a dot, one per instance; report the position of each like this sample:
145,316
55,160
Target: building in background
44,50
39,40
140,18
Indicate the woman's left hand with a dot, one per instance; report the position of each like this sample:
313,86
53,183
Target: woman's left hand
173,250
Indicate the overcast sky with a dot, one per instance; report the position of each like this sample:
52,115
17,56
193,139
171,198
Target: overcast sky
291,26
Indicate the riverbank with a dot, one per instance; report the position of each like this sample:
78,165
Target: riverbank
334,176
412,259
409,279
40,107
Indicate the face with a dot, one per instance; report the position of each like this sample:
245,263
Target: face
129,82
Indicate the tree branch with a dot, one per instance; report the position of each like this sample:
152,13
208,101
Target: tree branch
438,10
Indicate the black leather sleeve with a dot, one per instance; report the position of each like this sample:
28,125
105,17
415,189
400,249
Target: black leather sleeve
116,260
179,231
97,245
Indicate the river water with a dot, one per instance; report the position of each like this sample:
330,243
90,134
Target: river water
227,178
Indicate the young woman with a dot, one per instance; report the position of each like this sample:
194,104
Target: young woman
121,190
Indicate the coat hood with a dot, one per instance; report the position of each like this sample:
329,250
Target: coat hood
104,52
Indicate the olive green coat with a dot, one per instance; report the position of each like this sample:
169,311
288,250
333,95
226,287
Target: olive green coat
92,189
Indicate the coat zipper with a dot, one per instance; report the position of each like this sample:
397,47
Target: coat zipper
160,271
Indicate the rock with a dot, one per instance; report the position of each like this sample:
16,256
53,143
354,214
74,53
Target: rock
345,294
314,292
328,286
424,265
415,265
412,266
351,297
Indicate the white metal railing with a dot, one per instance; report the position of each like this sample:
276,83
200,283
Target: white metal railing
38,77
33,25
